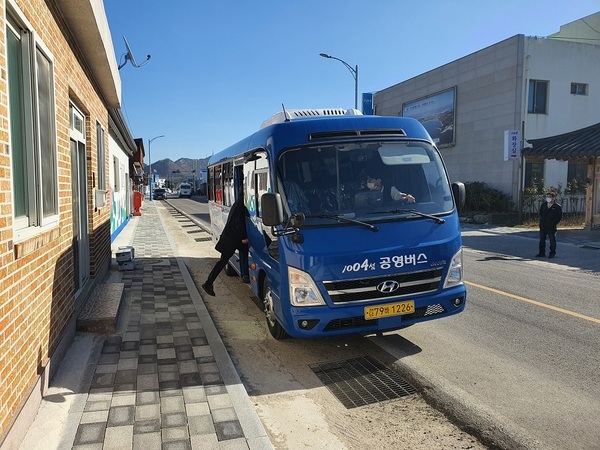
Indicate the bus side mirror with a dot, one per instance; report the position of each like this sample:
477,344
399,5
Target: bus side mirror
459,192
272,209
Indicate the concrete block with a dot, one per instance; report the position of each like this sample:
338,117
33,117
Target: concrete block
100,312
127,265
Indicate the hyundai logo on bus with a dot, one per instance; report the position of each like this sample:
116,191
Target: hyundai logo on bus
387,287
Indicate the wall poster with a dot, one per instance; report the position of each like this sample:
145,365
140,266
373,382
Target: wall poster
437,113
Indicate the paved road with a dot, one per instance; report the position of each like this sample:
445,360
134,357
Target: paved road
523,357
298,411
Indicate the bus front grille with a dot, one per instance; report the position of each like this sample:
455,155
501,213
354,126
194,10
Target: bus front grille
365,289
361,322
426,311
349,322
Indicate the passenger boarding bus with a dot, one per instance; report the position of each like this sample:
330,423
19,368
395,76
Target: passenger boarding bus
353,223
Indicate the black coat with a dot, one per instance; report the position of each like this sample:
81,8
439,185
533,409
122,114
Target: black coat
235,228
550,216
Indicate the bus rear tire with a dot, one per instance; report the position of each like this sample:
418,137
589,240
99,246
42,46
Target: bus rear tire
230,271
274,326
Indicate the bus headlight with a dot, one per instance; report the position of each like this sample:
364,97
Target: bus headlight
455,271
303,291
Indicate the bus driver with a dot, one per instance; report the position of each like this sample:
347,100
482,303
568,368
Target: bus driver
375,184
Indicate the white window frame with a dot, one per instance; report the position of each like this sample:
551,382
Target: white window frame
117,174
101,154
76,124
534,93
38,148
579,89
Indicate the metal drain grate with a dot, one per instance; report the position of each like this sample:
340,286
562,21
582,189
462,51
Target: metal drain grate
199,230
151,262
204,239
361,381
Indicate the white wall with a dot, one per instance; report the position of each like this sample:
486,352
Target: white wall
555,172
562,63
120,184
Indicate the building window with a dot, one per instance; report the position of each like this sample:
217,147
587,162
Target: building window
117,173
101,152
537,100
32,128
576,177
579,89
534,176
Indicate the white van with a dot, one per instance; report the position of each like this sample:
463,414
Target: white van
185,190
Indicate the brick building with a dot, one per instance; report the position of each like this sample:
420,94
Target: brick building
59,115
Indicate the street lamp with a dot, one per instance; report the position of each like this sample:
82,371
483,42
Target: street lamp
353,71
150,161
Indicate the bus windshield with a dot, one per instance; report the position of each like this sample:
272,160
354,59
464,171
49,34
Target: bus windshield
370,181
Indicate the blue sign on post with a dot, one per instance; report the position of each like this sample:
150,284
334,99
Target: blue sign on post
367,103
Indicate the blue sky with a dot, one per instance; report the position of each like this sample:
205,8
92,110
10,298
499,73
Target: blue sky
218,68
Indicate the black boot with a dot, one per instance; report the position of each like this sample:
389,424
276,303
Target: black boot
208,289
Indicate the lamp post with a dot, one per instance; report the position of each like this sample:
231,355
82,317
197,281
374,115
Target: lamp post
353,71
150,161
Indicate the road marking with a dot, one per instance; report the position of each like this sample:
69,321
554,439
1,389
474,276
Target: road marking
533,302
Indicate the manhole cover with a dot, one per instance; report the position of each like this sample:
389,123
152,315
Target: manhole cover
361,381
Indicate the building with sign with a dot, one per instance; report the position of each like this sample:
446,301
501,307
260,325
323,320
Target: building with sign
530,87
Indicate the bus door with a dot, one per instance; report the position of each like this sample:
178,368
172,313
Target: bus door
238,180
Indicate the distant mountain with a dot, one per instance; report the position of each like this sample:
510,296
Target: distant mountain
177,171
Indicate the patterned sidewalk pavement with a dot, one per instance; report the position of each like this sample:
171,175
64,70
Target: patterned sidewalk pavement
165,380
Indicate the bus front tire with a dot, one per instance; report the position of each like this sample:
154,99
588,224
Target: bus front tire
274,326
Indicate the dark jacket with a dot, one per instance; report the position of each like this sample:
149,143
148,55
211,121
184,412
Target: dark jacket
550,216
235,228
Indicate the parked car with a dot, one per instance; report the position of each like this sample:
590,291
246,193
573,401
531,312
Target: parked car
160,194
185,190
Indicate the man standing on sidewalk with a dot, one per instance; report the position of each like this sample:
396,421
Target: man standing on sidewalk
550,215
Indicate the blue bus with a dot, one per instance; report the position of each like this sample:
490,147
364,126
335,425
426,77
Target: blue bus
353,224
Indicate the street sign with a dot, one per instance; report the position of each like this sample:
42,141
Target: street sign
512,145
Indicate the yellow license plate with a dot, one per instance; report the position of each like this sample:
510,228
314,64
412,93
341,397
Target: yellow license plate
390,309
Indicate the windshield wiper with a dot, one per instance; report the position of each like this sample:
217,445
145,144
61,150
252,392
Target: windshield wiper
344,219
411,211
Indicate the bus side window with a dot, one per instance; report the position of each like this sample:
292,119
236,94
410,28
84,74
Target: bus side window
211,183
261,180
217,184
228,195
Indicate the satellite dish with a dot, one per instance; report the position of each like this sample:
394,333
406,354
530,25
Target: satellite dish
129,56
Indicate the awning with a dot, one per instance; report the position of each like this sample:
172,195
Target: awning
576,144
